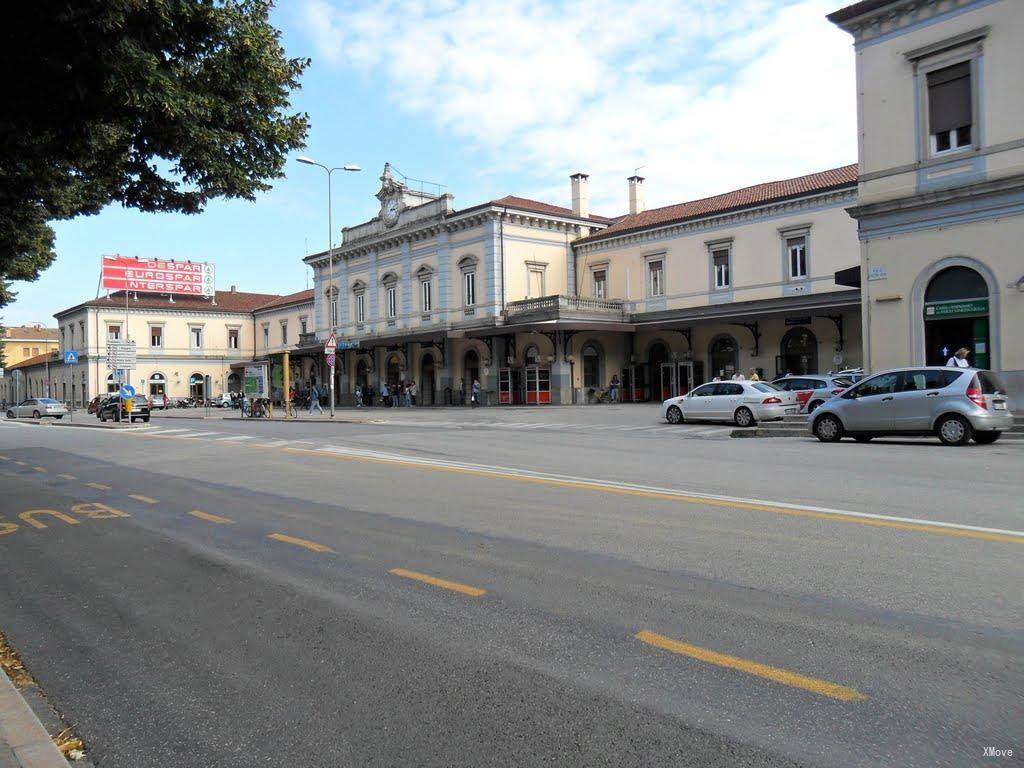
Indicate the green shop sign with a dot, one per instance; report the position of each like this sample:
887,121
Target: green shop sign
959,308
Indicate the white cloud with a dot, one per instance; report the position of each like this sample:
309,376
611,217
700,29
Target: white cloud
708,95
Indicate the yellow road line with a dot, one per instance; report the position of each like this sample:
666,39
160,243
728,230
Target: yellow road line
140,497
211,518
444,583
67,477
5,458
678,497
812,684
21,463
39,469
305,543
99,486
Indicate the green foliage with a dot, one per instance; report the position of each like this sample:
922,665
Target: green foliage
160,105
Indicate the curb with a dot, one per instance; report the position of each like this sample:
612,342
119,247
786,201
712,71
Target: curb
83,425
23,734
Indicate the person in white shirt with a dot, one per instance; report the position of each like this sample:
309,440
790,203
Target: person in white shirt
959,360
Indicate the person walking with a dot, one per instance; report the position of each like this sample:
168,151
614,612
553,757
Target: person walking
385,395
476,393
462,391
753,375
413,391
959,360
359,396
314,400
614,387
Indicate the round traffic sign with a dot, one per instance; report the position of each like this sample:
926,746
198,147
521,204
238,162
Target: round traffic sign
127,391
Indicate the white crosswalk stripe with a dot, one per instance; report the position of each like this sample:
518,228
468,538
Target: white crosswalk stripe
235,438
199,434
162,431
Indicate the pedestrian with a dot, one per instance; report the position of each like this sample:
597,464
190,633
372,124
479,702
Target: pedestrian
614,387
462,391
754,375
476,393
359,396
738,376
385,395
314,400
396,394
959,360
413,391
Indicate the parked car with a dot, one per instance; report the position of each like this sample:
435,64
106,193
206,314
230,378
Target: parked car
158,402
853,374
743,402
37,408
221,401
955,404
812,390
94,404
111,409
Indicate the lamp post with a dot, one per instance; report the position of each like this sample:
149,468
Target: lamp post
333,292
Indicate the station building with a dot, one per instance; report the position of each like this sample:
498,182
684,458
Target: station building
545,304
940,201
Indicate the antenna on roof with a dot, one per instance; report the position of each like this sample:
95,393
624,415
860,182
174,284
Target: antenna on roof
636,171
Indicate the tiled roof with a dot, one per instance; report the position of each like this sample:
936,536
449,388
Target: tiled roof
536,206
30,333
301,297
759,194
37,360
226,301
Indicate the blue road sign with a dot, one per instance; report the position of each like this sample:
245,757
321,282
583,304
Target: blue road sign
71,357
127,391
348,345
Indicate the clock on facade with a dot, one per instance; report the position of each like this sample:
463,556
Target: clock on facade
389,211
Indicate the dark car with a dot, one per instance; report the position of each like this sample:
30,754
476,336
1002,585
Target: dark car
112,408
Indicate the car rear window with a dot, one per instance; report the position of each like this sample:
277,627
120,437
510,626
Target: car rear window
763,386
48,400
990,384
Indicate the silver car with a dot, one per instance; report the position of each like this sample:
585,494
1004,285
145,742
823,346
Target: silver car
743,402
37,408
955,404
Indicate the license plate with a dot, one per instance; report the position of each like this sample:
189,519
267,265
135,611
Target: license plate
791,410
999,405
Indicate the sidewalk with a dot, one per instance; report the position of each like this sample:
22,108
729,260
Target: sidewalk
24,742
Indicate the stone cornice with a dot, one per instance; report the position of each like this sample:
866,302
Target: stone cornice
884,18
837,198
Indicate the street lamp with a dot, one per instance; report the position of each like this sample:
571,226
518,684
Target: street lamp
330,247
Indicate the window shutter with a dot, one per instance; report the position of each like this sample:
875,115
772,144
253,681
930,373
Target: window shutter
949,98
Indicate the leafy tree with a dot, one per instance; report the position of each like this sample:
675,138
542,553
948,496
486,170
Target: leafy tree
160,105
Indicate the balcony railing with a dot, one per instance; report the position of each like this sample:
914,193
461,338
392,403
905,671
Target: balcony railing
566,306
307,339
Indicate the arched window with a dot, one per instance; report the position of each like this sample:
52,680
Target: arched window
799,351
111,384
532,355
470,369
956,316
723,355
956,284
591,366
196,387
157,384
234,382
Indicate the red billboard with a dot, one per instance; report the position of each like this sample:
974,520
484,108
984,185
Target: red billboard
125,273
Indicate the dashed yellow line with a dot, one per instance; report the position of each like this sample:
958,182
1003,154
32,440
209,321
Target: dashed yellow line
211,518
99,486
304,543
67,477
455,586
813,684
140,497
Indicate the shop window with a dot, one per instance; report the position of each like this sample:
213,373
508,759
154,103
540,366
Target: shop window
157,384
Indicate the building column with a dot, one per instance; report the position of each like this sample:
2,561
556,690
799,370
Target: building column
286,382
446,378
561,380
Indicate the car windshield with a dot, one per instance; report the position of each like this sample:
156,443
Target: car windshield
764,386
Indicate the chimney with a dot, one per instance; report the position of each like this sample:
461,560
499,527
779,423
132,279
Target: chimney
580,195
636,194
232,289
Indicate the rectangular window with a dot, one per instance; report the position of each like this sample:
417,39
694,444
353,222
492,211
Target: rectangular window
360,308
266,337
26,351
232,338
600,284
284,334
426,303
334,310
656,277
156,336
720,265
950,107
302,326
196,337
113,332
536,283
392,301
469,283
35,351
796,247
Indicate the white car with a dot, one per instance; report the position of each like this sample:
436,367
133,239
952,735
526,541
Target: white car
743,402
37,408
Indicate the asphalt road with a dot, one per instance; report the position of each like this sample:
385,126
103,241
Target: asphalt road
453,589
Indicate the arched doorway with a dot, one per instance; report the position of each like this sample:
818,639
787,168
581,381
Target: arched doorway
799,352
723,356
956,304
426,382
591,367
470,369
157,384
195,386
234,383
394,371
362,373
659,381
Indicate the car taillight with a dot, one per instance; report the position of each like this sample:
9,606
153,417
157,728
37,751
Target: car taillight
771,401
974,395
837,391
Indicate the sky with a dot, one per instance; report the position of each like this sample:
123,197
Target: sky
491,99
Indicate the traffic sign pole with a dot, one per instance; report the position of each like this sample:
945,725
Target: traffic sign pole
330,348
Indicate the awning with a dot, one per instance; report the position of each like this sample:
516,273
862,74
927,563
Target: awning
849,277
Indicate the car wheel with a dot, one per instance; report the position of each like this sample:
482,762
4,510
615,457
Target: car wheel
743,417
10,414
58,417
813,405
828,429
986,438
145,419
674,415
954,430
36,415
103,417
863,438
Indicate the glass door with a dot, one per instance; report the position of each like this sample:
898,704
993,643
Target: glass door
538,385
505,386
668,380
684,379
